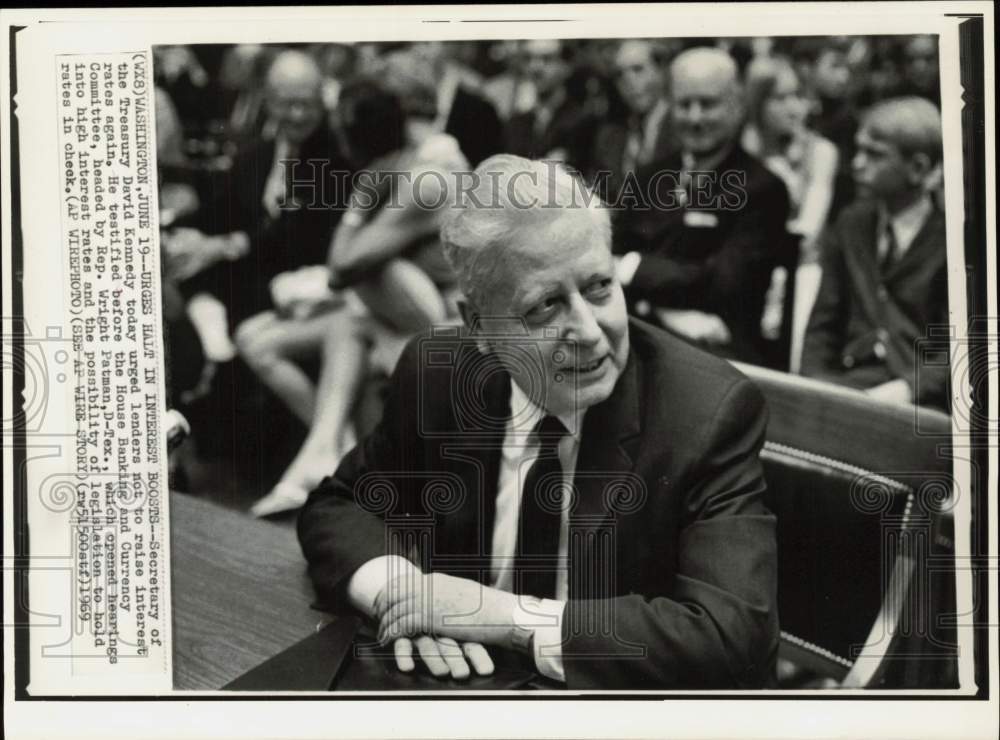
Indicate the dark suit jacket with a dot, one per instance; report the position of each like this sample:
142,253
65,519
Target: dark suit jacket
474,123
716,254
858,306
296,238
681,593
608,155
570,128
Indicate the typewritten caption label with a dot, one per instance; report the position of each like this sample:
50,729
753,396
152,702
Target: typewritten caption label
118,522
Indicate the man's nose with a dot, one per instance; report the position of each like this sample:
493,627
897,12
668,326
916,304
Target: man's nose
581,324
858,162
695,112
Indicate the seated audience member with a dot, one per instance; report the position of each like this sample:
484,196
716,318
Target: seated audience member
510,90
272,211
388,254
556,127
921,75
462,112
835,110
884,264
776,133
701,249
588,487
645,136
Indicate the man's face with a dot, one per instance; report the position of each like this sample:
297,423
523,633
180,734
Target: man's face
296,108
879,168
706,110
640,80
554,292
922,63
544,66
832,74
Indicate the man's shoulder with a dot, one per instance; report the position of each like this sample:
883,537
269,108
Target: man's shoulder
678,379
759,178
855,225
861,212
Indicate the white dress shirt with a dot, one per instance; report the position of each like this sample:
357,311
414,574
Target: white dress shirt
519,453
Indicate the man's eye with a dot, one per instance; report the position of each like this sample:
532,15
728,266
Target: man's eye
599,290
543,309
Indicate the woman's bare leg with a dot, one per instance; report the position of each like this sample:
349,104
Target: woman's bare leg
344,362
402,296
270,346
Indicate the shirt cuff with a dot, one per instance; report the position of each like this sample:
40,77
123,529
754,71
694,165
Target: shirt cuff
627,266
369,580
545,619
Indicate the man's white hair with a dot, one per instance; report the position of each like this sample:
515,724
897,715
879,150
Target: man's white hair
509,196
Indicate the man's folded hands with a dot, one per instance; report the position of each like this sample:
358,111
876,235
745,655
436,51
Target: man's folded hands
447,619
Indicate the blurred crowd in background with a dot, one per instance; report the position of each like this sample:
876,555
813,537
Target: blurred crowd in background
282,317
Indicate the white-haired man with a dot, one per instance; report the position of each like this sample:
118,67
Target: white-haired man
703,242
555,479
271,200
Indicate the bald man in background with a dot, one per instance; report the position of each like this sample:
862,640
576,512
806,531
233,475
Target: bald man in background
698,259
278,225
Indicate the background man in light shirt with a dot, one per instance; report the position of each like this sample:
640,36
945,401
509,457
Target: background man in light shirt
556,479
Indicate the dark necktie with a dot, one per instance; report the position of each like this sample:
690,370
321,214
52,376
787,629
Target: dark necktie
891,248
540,517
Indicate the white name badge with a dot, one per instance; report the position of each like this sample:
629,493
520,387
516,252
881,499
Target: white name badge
700,219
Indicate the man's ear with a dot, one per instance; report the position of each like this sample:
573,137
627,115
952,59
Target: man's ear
470,316
919,167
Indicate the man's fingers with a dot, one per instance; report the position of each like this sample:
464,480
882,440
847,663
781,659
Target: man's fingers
431,655
453,657
406,624
403,648
478,658
398,612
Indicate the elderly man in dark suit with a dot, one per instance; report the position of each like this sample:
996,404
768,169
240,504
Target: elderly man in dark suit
275,203
707,227
885,276
556,479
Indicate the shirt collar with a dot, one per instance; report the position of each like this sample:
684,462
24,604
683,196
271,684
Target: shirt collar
690,163
656,114
907,223
524,423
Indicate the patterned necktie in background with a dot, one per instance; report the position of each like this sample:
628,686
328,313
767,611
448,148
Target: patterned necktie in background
541,517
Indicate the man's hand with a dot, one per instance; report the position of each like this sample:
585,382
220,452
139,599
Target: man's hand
443,657
444,606
893,391
695,325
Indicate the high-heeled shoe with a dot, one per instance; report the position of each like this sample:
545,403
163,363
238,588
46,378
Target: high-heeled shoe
283,497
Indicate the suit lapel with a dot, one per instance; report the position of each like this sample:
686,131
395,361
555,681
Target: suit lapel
608,446
475,460
927,244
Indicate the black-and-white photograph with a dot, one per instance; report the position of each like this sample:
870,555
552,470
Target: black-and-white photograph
614,364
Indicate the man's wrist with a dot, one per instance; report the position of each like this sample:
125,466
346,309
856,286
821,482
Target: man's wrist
522,623
537,631
371,579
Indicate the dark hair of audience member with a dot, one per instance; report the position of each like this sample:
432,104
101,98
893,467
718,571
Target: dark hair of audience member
372,119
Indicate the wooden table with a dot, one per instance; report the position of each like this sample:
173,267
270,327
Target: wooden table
240,592
241,595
